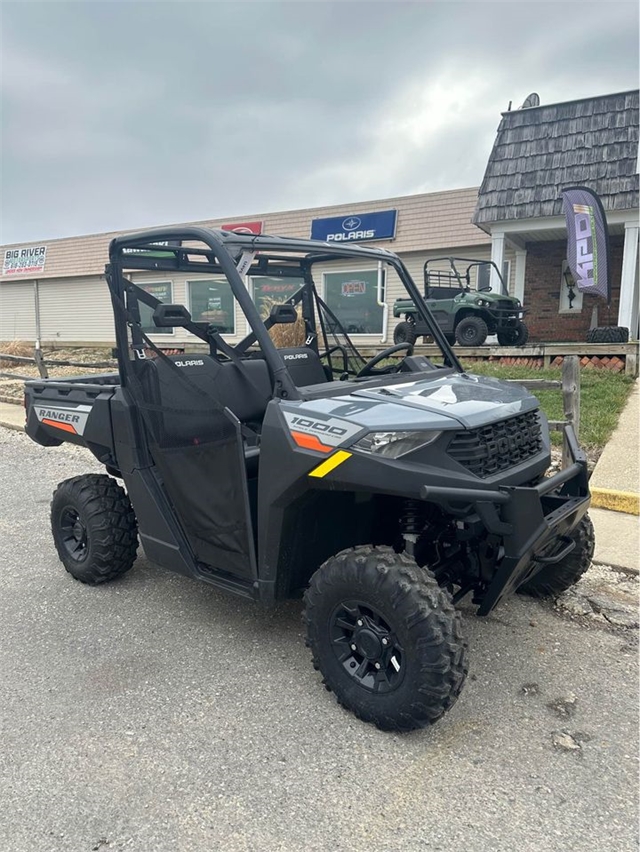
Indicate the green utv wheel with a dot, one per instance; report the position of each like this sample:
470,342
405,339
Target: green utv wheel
552,580
386,638
404,332
94,528
471,331
517,336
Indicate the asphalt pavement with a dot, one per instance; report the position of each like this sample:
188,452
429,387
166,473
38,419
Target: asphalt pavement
156,714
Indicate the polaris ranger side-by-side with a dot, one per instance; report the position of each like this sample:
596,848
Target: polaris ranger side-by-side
465,315
385,490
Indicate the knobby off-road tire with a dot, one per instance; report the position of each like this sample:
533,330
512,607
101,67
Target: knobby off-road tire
608,334
471,331
552,580
517,336
380,603
94,528
404,332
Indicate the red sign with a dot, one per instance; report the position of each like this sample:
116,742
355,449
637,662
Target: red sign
243,227
354,288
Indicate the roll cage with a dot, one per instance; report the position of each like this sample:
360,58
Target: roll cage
233,255
436,279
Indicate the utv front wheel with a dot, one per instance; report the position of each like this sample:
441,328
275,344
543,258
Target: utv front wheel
516,336
94,528
386,638
471,331
553,580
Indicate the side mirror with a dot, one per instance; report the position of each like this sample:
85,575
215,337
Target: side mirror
171,316
283,314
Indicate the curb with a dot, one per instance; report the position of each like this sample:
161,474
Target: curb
616,501
15,426
620,569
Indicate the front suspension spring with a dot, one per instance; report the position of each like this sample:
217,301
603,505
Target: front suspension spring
412,517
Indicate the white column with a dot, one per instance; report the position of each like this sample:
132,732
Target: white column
521,265
497,256
628,311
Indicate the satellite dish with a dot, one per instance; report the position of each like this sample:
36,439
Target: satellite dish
533,100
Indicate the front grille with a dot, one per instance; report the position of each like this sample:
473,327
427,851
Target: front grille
498,446
504,305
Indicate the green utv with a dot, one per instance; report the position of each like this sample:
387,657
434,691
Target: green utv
384,490
465,315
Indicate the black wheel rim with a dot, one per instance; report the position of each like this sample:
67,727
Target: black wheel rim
469,334
366,647
73,533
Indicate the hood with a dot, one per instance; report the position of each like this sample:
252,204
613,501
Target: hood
467,400
472,400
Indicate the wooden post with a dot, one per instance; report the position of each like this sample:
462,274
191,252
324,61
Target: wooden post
571,400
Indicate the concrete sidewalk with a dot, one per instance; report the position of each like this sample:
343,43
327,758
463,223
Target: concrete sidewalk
12,416
615,483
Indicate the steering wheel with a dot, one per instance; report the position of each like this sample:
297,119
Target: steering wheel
368,370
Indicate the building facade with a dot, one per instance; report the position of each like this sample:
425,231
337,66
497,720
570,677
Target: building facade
56,291
539,151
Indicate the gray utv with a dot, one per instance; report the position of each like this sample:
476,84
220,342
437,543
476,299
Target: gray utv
384,491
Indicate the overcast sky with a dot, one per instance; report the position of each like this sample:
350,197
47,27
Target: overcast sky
127,114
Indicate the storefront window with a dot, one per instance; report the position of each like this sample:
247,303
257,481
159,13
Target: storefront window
353,298
212,301
162,290
273,291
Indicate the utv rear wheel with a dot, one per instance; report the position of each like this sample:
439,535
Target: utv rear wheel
553,580
94,528
471,331
404,332
385,637
517,336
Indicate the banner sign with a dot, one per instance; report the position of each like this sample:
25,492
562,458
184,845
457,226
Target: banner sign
21,261
380,225
243,227
587,241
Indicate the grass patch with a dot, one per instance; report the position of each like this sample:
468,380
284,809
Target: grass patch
602,398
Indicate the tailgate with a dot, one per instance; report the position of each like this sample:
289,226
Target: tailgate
76,410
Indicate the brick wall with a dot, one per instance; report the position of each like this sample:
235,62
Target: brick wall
542,294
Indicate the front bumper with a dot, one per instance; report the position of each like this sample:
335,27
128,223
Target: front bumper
505,318
533,522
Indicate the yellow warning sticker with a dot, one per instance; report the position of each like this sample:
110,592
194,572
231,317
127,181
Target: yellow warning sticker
330,464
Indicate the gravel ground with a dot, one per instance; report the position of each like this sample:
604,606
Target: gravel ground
159,715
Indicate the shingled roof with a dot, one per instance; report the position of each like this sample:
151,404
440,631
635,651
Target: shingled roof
539,150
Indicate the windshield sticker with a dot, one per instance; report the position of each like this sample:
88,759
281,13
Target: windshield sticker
246,259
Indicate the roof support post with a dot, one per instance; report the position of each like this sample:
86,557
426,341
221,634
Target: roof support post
521,265
497,257
629,296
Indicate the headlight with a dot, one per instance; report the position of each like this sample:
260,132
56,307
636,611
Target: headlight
395,444
483,302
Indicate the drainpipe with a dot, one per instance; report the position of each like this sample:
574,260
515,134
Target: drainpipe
36,304
383,304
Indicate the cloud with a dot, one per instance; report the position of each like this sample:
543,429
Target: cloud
115,118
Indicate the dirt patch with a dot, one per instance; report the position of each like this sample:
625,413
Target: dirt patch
12,389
